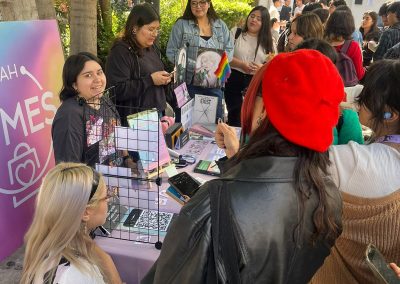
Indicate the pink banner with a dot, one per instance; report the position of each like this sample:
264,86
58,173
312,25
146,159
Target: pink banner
31,61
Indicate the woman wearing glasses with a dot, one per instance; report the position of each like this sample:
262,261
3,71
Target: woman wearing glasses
134,64
72,200
199,27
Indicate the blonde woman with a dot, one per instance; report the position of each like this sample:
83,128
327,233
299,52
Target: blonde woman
72,200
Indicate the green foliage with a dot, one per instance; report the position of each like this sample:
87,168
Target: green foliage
232,12
120,12
62,15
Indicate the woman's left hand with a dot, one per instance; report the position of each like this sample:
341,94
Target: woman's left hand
254,66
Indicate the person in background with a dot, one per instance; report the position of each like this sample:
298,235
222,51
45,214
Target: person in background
285,12
336,3
279,174
304,27
370,32
323,15
134,65
199,27
369,181
324,4
72,200
393,52
383,14
338,30
273,10
391,36
252,46
299,8
311,7
357,36
85,111
320,45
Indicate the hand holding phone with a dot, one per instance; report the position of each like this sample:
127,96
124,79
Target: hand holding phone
379,266
185,184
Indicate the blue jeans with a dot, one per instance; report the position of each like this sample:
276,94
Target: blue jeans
215,92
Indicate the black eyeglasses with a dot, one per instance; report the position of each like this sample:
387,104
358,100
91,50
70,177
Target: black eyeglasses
201,3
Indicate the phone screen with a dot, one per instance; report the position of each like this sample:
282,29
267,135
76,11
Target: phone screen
184,184
379,266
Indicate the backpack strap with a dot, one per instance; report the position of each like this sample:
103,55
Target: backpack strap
346,46
225,243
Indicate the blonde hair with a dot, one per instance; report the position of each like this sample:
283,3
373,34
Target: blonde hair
57,227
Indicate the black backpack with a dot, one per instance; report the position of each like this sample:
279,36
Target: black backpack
346,67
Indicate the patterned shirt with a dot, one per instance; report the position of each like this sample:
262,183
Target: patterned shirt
389,38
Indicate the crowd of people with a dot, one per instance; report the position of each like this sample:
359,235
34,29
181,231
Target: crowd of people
302,193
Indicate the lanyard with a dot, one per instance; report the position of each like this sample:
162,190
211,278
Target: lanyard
389,139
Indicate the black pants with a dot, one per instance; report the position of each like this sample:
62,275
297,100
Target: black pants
234,92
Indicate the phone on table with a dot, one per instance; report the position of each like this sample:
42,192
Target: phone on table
379,266
207,168
185,184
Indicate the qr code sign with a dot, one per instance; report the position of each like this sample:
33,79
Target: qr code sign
149,220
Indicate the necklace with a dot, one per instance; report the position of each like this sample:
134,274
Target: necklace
389,139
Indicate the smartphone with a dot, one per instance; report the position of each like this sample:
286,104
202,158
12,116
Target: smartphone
185,184
207,168
379,266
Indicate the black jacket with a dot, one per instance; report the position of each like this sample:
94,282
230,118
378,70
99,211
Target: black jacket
265,207
131,76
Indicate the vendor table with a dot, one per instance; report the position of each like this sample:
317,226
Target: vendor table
134,259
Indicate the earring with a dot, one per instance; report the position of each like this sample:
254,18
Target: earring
387,115
85,231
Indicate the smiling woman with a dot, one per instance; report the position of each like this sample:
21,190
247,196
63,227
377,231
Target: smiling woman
134,64
77,129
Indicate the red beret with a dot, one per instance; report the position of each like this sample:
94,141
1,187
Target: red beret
301,92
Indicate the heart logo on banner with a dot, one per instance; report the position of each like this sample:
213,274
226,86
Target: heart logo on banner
25,172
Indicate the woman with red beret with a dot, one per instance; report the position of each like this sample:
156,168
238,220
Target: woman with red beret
274,213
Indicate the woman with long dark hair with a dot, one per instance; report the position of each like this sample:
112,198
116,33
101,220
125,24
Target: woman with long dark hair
134,64
252,45
370,32
200,27
274,213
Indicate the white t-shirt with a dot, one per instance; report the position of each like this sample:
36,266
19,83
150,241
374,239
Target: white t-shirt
71,274
368,171
245,48
274,13
298,9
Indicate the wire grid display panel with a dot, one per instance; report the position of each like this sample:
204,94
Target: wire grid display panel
129,157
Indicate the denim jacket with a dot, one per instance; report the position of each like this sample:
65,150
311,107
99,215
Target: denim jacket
187,33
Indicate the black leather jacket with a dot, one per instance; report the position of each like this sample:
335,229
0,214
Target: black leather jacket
272,247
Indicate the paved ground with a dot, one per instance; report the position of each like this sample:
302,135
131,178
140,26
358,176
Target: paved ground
11,268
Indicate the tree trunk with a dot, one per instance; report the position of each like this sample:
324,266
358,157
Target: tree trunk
21,10
46,9
106,15
83,21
